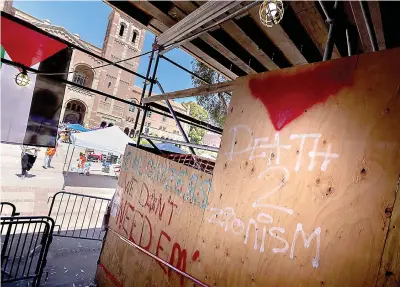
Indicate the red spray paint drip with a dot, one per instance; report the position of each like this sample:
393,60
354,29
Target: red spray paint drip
288,96
26,46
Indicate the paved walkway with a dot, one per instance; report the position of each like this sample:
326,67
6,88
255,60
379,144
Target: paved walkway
71,262
30,194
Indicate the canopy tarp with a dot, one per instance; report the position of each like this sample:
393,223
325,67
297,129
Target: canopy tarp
168,147
110,139
77,127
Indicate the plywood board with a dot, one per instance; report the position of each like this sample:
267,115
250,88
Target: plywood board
303,190
159,205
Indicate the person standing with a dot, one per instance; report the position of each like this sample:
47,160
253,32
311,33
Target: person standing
50,152
28,158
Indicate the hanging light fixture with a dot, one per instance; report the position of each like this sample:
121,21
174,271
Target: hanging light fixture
22,79
271,12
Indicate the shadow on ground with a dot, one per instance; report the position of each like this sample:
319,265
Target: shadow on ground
94,180
70,262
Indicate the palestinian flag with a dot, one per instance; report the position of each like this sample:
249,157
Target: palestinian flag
30,113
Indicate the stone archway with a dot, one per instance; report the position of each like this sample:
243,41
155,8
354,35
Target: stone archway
75,112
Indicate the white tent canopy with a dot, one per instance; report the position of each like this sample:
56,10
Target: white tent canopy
110,139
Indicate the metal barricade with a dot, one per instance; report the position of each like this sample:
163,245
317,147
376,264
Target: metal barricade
78,215
8,209
24,247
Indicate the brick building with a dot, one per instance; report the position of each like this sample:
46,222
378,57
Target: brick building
124,38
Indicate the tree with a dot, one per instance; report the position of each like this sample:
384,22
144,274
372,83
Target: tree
197,112
215,104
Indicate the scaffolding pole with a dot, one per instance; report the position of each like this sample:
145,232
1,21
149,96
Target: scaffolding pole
171,110
144,89
146,108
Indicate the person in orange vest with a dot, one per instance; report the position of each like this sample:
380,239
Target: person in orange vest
50,152
81,160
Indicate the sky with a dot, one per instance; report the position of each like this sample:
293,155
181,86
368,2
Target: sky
89,19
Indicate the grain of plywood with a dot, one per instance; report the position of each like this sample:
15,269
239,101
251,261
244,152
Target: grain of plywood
307,171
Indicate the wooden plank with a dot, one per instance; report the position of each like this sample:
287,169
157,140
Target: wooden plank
377,21
185,6
208,60
360,23
312,21
210,40
236,33
389,274
218,46
280,39
150,9
199,91
196,52
156,200
302,190
168,21
200,17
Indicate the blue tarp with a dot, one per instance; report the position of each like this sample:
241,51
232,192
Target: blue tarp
77,127
170,148
167,147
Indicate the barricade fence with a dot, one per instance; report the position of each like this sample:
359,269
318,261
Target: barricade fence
25,242
78,215
8,209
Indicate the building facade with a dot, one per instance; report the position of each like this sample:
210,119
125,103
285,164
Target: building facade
124,38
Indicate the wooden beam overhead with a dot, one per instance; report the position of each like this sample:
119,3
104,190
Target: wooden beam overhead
186,6
150,9
198,18
235,32
375,11
280,39
199,91
214,42
187,47
227,53
168,21
311,19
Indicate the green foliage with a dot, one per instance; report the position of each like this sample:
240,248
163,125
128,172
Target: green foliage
197,112
215,104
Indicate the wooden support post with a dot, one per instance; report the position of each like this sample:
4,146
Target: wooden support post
199,91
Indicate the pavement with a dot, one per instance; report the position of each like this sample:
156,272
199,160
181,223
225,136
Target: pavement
71,261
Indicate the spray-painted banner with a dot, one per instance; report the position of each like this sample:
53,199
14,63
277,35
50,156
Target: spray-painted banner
154,200
303,191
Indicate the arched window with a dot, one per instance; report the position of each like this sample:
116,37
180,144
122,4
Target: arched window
103,124
73,107
68,106
78,108
134,36
126,131
83,75
132,107
122,29
110,125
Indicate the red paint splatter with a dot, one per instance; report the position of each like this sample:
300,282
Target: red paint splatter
25,45
111,276
196,255
287,96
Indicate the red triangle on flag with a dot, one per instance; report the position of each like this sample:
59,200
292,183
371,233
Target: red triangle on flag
27,46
